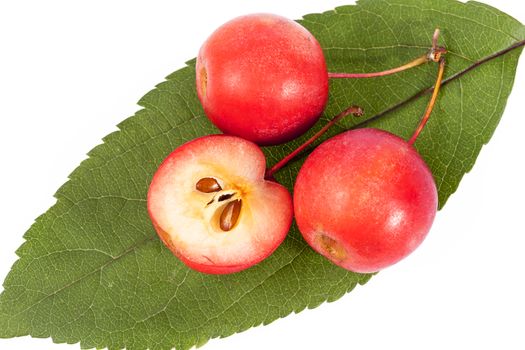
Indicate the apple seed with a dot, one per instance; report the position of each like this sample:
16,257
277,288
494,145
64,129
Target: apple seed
207,185
230,215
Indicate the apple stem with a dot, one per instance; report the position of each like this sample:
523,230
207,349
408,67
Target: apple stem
431,103
354,110
434,54
418,61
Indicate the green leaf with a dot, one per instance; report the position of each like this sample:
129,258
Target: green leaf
92,269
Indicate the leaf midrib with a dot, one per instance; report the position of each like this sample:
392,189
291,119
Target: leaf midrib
81,278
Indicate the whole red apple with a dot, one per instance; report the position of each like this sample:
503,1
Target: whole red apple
365,199
262,77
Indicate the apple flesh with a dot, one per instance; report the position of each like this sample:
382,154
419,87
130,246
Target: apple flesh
365,199
212,207
262,77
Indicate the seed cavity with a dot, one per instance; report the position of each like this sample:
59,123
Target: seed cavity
230,215
208,185
224,197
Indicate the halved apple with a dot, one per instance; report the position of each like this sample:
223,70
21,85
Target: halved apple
213,208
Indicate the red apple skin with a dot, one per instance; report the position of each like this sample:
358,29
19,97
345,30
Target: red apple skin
262,77
265,218
365,199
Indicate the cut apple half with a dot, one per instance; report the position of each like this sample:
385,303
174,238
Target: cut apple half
213,208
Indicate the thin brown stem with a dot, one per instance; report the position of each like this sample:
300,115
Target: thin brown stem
355,110
435,39
431,103
434,54
418,61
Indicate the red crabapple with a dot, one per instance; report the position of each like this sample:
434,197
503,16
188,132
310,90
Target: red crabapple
262,77
213,208
364,199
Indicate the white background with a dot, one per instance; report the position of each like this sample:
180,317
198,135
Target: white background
70,71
